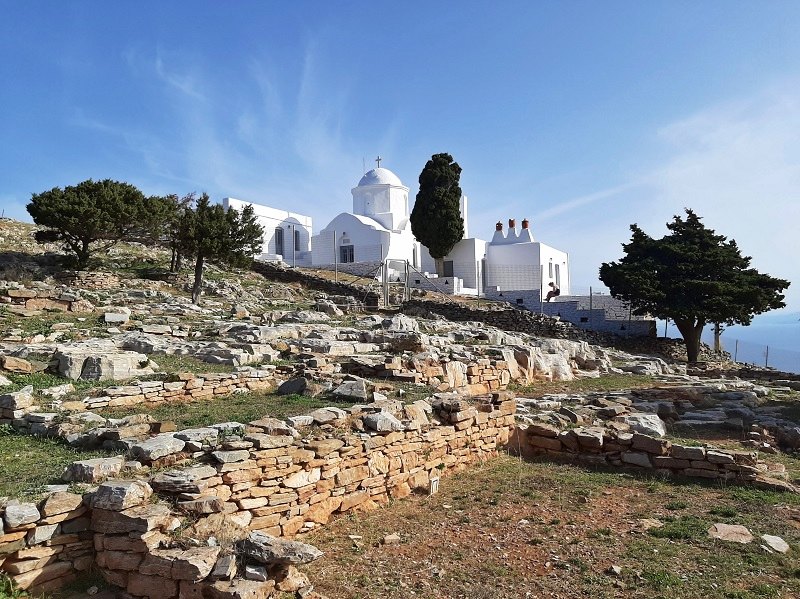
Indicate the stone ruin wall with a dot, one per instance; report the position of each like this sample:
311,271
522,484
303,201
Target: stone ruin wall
22,410
507,319
607,447
292,275
268,481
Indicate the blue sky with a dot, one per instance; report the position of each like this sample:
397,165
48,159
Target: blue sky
582,116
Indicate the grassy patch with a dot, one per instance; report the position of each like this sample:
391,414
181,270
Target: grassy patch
685,527
42,324
242,407
28,463
43,380
176,363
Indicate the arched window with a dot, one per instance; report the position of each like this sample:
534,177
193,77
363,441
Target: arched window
279,240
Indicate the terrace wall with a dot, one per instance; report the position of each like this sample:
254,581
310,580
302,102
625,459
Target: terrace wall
265,480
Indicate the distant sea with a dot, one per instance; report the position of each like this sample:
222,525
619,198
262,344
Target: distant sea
773,339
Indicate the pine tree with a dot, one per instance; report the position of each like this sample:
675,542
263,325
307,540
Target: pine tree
209,232
693,276
89,217
436,219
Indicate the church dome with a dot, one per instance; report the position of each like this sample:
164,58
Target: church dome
380,176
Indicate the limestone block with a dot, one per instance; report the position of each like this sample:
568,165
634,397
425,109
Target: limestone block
270,550
589,438
228,457
157,447
650,444
19,400
688,453
19,514
352,500
190,480
202,505
14,364
545,443
540,429
36,578
670,462
194,563
225,568
118,495
302,478
719,457
41,534
324,447
637,458
119,560
382,422
239,589
151,586
141,518
647,424
269,441
731,532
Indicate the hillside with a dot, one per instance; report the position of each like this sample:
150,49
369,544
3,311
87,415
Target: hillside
488,454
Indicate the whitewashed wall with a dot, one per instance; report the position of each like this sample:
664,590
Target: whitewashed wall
271,219
467,257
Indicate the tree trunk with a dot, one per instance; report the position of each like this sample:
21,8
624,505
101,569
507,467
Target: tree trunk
83,255
690,331
198,279
439,266
173,261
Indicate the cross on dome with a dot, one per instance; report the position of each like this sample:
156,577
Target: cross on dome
378,160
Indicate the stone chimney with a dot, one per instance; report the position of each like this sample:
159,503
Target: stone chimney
525,234
512,223
498,237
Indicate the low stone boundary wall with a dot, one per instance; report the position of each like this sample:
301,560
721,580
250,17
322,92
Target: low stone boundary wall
292,275
28,413
601,446
28,301
257,477
86,279
507,319
23,411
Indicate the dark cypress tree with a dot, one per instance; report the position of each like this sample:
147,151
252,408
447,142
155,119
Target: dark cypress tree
693,276
436,219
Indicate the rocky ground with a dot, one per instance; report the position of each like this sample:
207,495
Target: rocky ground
90,363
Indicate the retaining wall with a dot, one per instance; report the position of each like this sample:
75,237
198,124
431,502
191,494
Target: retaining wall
254,477
291,275
599,446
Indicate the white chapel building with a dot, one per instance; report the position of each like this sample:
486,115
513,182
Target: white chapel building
287,235
377,229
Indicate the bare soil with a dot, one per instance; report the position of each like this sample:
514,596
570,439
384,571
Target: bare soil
510,529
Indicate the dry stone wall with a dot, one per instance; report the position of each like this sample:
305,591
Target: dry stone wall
505,318
283,274
605,446
242,478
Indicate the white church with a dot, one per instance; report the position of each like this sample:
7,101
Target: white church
378,229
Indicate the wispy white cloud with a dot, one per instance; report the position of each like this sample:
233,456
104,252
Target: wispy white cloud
584,200
736,164
186,83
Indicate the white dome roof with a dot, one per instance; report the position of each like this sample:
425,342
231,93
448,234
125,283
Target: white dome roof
380,176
